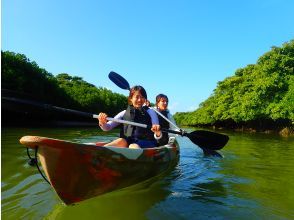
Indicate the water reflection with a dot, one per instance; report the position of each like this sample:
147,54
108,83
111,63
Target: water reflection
253,180
130,203
209,192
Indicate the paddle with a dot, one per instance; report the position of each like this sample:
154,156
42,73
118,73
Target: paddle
206,140
119,80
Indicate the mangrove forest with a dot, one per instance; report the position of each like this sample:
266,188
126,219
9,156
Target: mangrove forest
257,97
28,91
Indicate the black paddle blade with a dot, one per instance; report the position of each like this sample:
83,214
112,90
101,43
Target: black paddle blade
208,140
119,80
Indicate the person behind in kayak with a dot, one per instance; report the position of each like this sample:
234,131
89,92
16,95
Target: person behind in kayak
131,136
161,106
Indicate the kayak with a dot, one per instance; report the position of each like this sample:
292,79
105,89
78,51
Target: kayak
80,171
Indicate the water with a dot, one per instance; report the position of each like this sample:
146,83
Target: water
254,180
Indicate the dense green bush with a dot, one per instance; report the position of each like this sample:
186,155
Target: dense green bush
21,76
260,92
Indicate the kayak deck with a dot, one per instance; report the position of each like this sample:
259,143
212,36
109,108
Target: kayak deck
81,171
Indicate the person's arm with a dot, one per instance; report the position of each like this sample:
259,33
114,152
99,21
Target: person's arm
155,122
154,117
111,124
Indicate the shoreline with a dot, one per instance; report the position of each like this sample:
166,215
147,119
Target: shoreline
283,131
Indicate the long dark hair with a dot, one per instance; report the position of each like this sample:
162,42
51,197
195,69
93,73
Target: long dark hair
135,89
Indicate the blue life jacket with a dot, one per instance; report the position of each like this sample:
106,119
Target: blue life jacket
140,116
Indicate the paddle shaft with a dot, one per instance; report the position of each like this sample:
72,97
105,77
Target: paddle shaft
47,106
165,118
124,122
76,112
204,139
80,113
140,125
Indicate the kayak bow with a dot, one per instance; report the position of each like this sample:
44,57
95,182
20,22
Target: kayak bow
80,171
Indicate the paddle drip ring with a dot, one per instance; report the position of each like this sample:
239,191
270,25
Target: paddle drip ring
34,162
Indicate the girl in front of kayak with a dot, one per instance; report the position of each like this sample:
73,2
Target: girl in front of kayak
131,136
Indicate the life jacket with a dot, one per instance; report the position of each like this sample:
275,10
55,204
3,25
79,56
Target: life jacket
140,116
164,124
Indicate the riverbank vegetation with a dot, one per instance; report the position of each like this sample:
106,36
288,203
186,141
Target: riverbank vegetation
25,80
257,97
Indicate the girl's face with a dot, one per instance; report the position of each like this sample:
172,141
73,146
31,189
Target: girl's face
162,104
137,100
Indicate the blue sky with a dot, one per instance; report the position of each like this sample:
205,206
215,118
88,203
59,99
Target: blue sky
180,48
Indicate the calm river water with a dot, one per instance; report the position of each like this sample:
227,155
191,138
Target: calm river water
254,180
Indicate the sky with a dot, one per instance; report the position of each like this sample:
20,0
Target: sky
181,48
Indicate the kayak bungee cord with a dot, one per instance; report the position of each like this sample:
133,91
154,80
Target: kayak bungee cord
34,162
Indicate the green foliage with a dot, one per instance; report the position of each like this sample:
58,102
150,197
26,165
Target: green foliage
20,75
91,97
27,78
263,91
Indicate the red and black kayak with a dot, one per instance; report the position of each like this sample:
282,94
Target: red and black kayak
80,171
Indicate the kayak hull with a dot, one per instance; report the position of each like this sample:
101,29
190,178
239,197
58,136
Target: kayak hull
81,171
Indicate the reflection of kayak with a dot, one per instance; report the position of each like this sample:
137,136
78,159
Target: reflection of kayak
80,171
